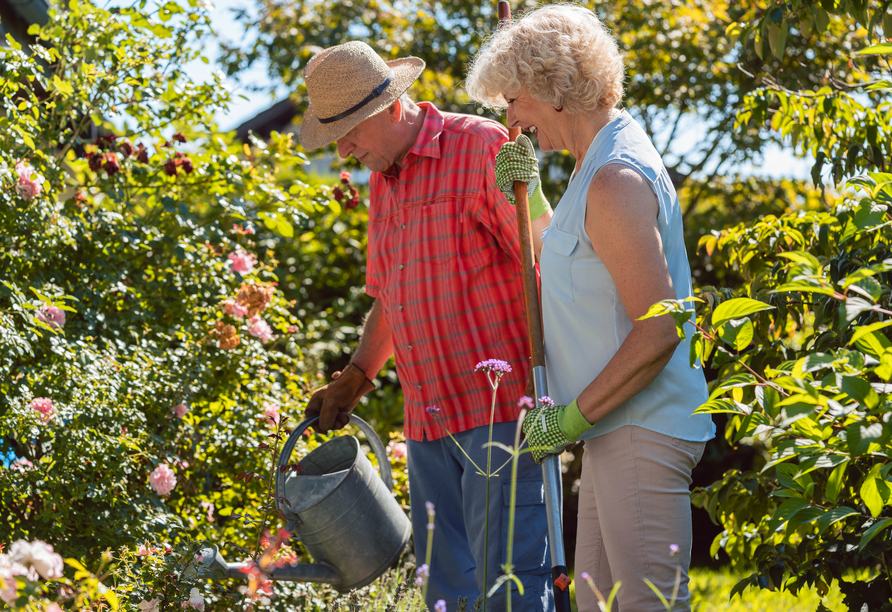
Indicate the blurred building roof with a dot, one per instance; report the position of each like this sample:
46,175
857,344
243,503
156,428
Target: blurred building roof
277,118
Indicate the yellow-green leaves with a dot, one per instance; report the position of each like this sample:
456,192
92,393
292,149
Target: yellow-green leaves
737,308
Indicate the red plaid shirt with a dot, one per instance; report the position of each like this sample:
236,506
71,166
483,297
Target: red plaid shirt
443,261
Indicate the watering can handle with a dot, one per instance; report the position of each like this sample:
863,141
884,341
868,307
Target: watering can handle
370,435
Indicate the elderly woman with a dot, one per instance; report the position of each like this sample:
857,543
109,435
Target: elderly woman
611,249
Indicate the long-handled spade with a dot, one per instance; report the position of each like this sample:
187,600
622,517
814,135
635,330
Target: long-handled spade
551,473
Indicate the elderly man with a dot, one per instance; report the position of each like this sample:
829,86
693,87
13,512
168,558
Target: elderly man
444,268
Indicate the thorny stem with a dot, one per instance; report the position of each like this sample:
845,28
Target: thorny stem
274,451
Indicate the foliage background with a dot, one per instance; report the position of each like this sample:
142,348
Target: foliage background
798,483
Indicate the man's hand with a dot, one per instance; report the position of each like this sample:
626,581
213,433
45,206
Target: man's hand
516,161
334,402
550,430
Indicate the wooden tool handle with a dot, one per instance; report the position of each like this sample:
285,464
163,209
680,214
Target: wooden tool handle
527,256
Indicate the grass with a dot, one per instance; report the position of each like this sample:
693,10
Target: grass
710,590
709,593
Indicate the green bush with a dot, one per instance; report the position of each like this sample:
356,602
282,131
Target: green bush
125,212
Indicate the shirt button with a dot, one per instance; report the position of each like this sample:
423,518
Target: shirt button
403,226
410,347
401,266
400,307
418,387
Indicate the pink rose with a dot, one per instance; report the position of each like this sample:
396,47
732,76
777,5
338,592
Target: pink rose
9,590
21,464
180,410
209,506
195,600
153,605
271,411
28,185
398,449
231,307
28,189
23,170
242,262
163,480
44,406
38,555
51,315
259,328
53,607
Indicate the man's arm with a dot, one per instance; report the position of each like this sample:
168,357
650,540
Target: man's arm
375,344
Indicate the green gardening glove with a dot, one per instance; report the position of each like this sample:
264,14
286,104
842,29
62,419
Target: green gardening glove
550,430
516,161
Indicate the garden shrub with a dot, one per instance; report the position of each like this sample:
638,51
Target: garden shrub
142,331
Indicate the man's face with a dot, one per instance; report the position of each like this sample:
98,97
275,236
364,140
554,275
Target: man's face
372,142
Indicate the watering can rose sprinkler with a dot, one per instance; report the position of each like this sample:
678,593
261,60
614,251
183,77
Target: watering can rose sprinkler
339,508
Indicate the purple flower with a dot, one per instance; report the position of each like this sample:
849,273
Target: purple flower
493,365
526,402
440,606
430,508
546,401
586,576
433,411
422,573
673,550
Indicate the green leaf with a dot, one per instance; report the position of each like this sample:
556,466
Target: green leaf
808,260
855,306
872,532
735,309
777,39
835,482
865,272
806,285
860,391
784,512
875,491
834,515
872,343
719,406
879,49
738,333
859,437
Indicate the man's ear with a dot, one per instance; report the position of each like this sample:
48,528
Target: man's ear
396,111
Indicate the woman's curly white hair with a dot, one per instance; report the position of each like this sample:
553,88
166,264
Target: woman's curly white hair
562,53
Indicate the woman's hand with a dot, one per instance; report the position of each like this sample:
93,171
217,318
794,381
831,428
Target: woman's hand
549,430
516,161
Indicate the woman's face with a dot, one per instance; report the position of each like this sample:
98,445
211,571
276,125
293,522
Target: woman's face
533,116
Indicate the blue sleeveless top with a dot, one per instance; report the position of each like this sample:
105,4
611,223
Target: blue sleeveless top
583,318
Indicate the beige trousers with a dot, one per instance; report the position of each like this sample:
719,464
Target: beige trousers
634,505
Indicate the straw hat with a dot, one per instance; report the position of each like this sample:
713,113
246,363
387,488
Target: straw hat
348,84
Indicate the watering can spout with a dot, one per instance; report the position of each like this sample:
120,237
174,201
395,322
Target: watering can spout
213,563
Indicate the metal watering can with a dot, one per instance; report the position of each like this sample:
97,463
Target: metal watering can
338,507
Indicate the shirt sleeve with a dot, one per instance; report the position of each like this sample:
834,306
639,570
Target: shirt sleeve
497,214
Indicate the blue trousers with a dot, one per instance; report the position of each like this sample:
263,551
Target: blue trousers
439,472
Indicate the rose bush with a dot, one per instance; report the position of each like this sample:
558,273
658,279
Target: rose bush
142,330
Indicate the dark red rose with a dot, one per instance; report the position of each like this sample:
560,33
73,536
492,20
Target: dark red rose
338,194
187,164
126,148
351,204
142,154
170,168
178,137
111,165
95,160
